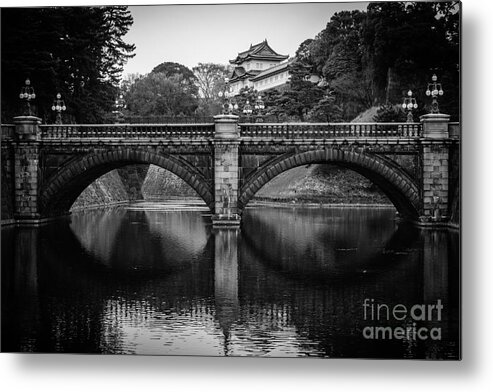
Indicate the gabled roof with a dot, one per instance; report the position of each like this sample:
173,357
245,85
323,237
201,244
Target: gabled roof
261,51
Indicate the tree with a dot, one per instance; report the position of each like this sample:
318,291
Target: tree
406,42
246,94
77,51
326,109
185,75
301,95
271,99
374,57
128,81
159,95
337,56
170,69
210,79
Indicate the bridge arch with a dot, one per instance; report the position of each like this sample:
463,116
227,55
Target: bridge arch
397,185
62,189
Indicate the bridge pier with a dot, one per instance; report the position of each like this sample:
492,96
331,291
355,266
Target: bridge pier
435,169
226,181
26,168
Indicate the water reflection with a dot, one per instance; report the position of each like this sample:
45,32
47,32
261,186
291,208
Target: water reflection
291,283
146,240
226,282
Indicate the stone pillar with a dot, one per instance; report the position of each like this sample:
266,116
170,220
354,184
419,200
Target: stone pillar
435,168
226,181
26,167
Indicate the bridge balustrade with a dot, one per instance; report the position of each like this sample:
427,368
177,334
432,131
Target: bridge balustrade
330,130
206,130
127,131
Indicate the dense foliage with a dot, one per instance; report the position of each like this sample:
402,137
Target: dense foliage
169,90
158,95
77,51
373,58
361,59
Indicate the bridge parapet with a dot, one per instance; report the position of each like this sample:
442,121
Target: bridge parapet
126,131
247,130
330,130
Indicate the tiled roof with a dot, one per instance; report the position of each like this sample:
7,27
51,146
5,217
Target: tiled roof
260,50
242,74
252,49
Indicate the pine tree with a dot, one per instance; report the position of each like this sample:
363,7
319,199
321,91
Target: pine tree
77,51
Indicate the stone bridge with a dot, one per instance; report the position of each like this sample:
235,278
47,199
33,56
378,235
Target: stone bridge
46,167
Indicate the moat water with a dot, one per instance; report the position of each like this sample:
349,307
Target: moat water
293,282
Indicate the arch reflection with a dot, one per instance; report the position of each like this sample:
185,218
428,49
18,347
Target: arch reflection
254,292
141,240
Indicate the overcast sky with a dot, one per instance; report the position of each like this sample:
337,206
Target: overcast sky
189,34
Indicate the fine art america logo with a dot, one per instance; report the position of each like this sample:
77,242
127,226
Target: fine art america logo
385,315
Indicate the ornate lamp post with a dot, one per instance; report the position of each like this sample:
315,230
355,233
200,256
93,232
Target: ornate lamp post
259,106
228,105
27,94
119,106
409,103
58,106
247,110
434,89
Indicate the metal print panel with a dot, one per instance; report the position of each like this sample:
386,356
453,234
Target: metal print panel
270,180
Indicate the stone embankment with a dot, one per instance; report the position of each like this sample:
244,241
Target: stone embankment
312,184
132,183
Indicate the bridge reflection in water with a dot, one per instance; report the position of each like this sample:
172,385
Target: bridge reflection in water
291,283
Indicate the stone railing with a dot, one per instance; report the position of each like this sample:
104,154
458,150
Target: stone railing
7,131
330,130
247,130
127,131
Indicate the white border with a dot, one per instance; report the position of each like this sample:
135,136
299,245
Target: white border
28,372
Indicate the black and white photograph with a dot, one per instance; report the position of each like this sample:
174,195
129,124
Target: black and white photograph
275,180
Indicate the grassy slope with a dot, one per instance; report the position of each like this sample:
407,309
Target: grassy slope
321,183
366,116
